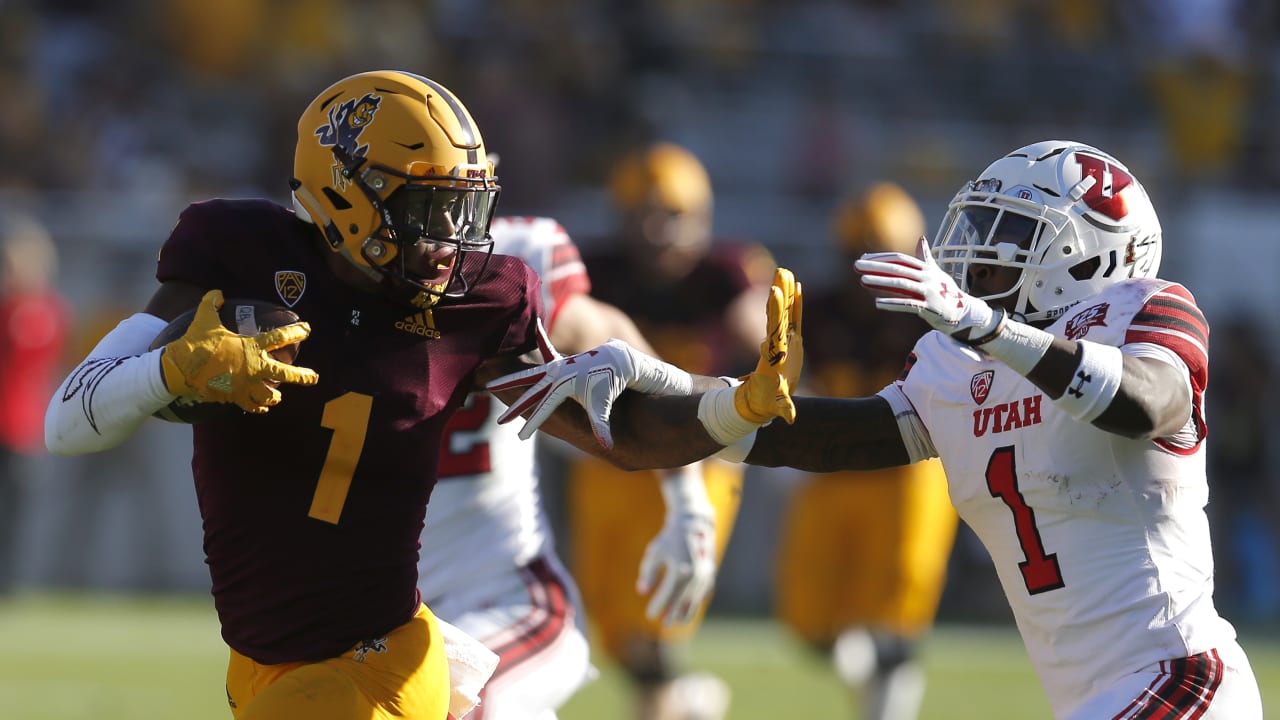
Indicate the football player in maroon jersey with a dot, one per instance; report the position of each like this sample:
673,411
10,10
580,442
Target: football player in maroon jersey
312,508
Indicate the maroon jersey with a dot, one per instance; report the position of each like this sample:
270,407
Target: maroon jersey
312,512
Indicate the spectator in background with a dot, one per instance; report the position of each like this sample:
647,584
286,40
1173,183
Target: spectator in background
698,303
863,555
34,321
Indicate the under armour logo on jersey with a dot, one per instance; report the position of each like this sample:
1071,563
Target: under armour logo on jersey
290,284
420,323
1078,390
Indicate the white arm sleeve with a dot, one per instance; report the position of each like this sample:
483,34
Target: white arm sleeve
108,395
915,436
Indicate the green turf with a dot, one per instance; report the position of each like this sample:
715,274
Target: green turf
104,658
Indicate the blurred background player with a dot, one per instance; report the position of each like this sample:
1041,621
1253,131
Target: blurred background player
489,564
697,302
863,555
34,324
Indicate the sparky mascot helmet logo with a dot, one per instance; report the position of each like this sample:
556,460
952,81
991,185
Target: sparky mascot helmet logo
346,123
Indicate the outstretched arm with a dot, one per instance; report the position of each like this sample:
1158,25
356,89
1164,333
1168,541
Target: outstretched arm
832,434
674,418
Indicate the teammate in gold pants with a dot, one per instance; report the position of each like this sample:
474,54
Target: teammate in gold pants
696,301
863,556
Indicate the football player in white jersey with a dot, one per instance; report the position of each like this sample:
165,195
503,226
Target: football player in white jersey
488,563
1063,389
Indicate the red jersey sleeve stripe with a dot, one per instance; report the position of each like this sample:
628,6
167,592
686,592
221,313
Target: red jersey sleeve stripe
1174,313
1172,320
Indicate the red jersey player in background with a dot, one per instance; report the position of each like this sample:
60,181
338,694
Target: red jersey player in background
34,324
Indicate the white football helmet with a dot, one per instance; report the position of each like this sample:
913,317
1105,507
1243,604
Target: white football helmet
1071,217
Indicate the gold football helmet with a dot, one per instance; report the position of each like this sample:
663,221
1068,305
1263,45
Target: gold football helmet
884,218
663,194
664,174
391,167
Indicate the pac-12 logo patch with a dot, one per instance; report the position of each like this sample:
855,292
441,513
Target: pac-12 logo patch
290,284
980,385
1078,326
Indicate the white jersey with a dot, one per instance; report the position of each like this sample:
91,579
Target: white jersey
485,517
1101,542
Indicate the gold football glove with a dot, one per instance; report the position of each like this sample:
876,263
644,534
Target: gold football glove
212,364
766,393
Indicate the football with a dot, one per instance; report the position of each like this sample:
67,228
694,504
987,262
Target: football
243,317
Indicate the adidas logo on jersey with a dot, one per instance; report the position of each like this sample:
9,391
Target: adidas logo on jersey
420,323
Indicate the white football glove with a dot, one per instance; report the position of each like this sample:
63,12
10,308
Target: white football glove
684,551
903,283
595,379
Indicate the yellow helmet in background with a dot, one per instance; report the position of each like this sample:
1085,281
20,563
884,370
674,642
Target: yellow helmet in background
664,174
663,194
884,218
388,159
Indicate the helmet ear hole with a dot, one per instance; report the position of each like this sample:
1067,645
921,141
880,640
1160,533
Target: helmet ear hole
1087,269
338,201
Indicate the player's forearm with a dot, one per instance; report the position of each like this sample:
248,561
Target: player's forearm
1148,397
108,395
832,434
651,432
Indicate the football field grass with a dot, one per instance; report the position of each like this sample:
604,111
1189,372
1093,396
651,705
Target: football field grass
124,658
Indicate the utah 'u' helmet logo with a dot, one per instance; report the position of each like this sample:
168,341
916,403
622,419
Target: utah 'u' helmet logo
347,121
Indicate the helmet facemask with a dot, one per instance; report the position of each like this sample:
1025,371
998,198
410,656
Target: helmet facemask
449,217
983,228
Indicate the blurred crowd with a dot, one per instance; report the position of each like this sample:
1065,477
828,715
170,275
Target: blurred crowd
118,114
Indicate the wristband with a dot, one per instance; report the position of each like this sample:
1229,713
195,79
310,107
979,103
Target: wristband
1094,383
1018,345
998,319
720,418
